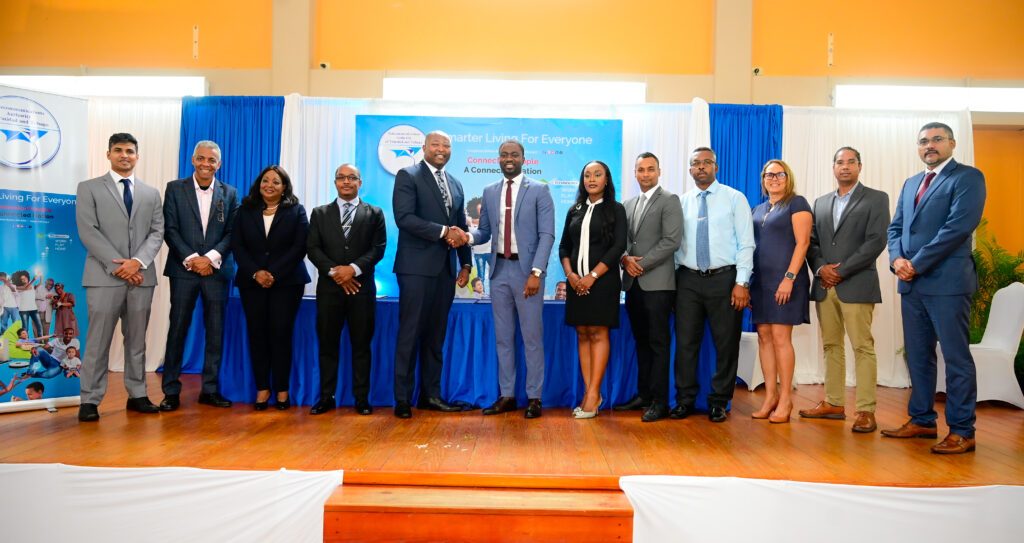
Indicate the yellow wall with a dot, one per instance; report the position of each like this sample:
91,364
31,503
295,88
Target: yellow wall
136,34
1000,155
603,36
890,38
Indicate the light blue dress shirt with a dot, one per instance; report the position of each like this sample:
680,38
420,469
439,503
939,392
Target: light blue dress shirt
839,205
730,230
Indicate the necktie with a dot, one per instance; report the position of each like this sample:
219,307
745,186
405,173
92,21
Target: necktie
128,195
638,212
444,192
924,187
346,218
507,230
703,240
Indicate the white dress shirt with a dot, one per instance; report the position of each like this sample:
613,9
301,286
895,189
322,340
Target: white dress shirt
205,200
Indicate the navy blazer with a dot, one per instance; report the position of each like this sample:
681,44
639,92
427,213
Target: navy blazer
328,247
280,252
420,215
183,227
936,235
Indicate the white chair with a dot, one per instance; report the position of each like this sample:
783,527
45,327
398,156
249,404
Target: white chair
994,356
748,367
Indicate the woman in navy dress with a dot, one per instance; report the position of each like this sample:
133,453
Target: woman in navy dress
780,286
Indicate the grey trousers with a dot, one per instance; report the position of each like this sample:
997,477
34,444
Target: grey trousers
107,305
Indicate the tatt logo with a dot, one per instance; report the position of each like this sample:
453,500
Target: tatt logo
401,146
29,134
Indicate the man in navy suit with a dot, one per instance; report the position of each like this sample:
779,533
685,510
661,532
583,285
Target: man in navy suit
199,213
428,203
930,253
521,215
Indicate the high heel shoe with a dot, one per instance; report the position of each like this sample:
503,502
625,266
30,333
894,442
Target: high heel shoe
261,406
778,419
581,414
284,404
765,413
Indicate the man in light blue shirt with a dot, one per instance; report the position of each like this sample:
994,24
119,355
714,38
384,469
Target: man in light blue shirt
714,263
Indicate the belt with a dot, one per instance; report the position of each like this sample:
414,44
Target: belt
514,256
709,273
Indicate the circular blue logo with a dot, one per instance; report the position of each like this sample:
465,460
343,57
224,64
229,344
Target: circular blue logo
29,134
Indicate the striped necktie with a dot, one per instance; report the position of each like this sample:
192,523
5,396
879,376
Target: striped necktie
346,218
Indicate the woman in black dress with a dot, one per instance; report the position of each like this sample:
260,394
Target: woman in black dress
593,240
780,286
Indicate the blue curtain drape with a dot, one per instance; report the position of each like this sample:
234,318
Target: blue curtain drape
248,131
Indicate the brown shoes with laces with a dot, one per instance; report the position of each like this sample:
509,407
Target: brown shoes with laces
864,423
824,410
912,430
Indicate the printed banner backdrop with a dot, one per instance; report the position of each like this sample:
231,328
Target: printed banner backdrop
556,151
43,156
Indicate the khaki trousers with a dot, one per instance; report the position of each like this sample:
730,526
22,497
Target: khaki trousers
833,316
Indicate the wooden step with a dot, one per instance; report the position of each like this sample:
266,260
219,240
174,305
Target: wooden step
453,514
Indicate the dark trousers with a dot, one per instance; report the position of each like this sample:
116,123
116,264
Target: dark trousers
649,313
270,323
184,292
333,311
699,300
423,305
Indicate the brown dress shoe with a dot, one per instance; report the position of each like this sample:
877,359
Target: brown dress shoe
824,410
912,430
954,444
864,423
504,404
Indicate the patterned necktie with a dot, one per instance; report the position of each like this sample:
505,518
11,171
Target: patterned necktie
703,240
924,187
638,213
444,192
346,218
507,230
128,195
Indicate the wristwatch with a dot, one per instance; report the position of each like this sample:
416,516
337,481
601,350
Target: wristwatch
593,274
743,284
791,276
536,272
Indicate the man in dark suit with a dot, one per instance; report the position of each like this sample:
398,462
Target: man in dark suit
121,225
199,213
432,258
930,253
655,231
847,236
346,241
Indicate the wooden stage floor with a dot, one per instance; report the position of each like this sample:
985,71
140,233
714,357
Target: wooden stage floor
554,451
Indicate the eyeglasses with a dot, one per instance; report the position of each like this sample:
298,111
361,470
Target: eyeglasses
771,176
934,139
346,178
705,162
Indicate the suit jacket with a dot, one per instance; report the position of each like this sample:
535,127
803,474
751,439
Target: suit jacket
854,243
327,246
183,227
936,236
280,252
533,219
656,239
107,232
420,214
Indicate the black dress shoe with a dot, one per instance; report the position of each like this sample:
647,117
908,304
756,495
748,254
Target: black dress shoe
437,404
403,410
533,409
717,414
171,402
637,403
141,405
681,411
503,404
325,404
363,407
283,405
214,399
88,412
656,411
261,406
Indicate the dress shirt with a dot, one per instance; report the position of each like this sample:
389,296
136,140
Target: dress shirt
730,230
447,186
839,204
205,201
341,214
646,199
517,182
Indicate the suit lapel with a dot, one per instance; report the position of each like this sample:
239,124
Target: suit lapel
216,213
117,193
520,195
494,202
647,207
854,200
431,180
936,183
188,187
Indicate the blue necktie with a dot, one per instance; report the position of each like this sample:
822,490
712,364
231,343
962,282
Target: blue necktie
346,219
127,195
703,242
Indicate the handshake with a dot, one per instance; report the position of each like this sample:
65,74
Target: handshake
456,237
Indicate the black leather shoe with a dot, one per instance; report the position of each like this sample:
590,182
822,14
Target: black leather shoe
171,402
403,410
325,404
88,412
437,404
214,399
717,414
656,411
363,407
283,405
533,410
681,411
638,403
141,405
261,406
503,404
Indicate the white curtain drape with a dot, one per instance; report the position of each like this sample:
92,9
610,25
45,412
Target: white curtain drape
156,123
885,139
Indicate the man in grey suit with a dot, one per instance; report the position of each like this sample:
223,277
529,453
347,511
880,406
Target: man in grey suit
521,215
121,224
199,213
655,231
848,234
